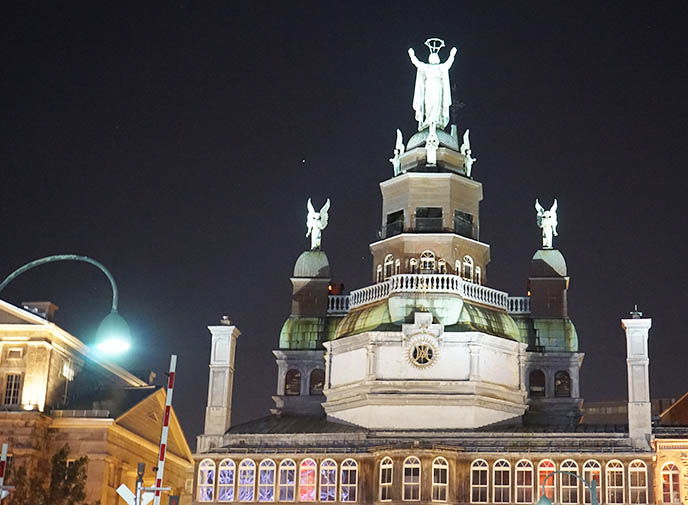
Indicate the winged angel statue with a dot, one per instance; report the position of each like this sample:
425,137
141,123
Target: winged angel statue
547,220
316,222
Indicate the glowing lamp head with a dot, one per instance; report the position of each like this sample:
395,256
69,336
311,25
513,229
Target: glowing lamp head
113,335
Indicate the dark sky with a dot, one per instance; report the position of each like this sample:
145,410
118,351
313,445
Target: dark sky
168,139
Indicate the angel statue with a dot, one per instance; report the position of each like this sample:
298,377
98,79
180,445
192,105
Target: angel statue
466,151
432,94
398,151
547,220
316,222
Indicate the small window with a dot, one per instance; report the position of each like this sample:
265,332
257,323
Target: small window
317,381
328,480
411,479
225,481
501,482
478,276
562,384
266,480
615,482
440,479
386,476
637,480
15,353
428,219
441,266
592,471
349,483
287,480
524,482
468,268
292,383
388,266
568,484
413,265
12,388
545,468
463,224
247,480
206,480
536,385
479,484
397,267
378,274
395,223
670,488
427,262
307,480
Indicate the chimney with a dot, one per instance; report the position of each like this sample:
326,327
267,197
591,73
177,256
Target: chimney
218,412
46,310
639,409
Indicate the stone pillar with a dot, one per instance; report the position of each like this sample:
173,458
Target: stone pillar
639,412
218,412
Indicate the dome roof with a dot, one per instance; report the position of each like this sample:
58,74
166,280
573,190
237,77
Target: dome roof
446,140
548,263
312,264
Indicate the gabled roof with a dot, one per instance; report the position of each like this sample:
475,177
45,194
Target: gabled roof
676,413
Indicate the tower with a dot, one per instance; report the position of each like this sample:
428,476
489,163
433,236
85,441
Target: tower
637,331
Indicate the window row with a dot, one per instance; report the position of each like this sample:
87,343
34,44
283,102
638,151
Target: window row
430,220
268,482
537,381
524,482
292,382
411,483
427,263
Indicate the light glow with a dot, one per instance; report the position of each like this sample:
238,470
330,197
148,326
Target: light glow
113,346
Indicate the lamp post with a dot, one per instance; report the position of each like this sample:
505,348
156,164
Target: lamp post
113,335
592,487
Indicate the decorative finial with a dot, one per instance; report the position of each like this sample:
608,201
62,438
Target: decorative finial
432,95
547,220
635,313
398,151
224,320
316,222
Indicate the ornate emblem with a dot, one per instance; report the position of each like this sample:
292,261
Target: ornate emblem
422,352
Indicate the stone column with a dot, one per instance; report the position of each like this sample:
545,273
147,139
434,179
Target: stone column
639,412
218,412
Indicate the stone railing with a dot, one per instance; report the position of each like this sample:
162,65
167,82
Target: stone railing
519,305
429,283
338,304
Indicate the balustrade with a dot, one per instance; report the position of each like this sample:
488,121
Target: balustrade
518,305
338,304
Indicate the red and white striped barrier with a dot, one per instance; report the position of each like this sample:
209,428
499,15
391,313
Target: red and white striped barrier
165,429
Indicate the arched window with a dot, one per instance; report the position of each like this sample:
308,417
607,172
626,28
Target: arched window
317,381
397,267
562,384
568,483
536,384
386,476
378,274
457,267
247,480
501,481
349,483
441,266
328,480
478,275
637,482
670,488
546,467
427,261
266,480
287,480
468,268
206,480
440,479
307,481
524,481
292,383
479,483
592,471
389,264
413,265
225,480
615,481
411,479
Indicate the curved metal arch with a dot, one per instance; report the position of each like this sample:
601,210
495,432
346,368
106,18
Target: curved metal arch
65,257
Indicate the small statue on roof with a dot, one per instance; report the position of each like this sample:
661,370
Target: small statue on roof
547,220
316,222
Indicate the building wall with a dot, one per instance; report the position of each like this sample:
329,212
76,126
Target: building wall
671,452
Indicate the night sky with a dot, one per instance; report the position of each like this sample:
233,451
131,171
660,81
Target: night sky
177,142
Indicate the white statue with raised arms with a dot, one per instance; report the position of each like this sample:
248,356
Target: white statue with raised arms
547,220
432,95
316,222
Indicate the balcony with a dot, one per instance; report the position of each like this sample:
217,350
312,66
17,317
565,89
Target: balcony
518,305
338,304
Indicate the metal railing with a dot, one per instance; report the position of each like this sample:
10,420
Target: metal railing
338,304
518,305
429,283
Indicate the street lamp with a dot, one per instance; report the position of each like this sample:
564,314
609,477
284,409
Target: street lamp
592,487
113,335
